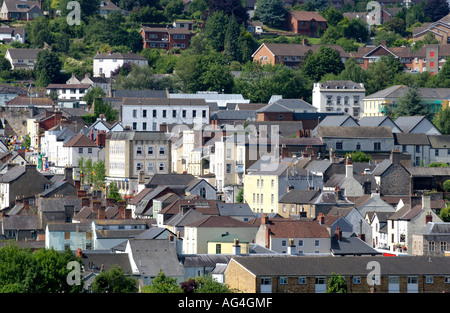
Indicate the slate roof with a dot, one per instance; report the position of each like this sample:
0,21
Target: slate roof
94,261
439,141
127,93
408,123
166,30
436,228
140,135
80,140
12,174
354,132
21,222
234,115
299,196
341,84
351,246
285,265
234,209
120,56
24,53
170,180
163,101
411,139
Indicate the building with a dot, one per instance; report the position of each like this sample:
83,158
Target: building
99,81
416,145
149,114
22,59
339,96
383,102
309,274
433,240
80,146
291,55
306,23
166,38
129,152
107,7
417,125
11,34
20,10
105,63
439,148
74,92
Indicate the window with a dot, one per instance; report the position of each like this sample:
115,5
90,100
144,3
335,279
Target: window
429,279
144,113
194,113
144,126
138,166
431,54
357,280
134,113
154,113
431,64
316,243
436,152
174,113
417,149
339,145
300,243
183,113
90,150
218,248
134,126
254,197
431,246
272,183
162,150
283,243
272,199
443,245
377,146
228,168
138,150
302,280
162,167
150,167
164,113
283,280
150,150
80,150
204,113
447,279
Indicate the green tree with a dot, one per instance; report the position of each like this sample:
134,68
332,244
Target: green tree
445,213
381,74
114,280
162,284
229,8
206,284
333,16
113,192
92,93
215,30
438,164
47,68
446,185
231,45
411,104
271,12
359,156
442,121
240,196
337,284
325,60
436,9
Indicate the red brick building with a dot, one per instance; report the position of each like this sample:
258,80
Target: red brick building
165,38
306,23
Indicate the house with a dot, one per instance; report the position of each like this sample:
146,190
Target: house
368,139
8,92
255,28
215,99
107,7
80,146
373,203
166,38
439,30
378,222
150,256
98,81
69,91
12,34
141,205
309,274
417,125
148,114
291,55
432,240
105,63
306,23
269,179
21,182
239,211
107,234
129,152
27,102
199,233
439,148
297,203
22,59
309,236
61,236
407,221
392,177
429,178
339,96
20,10
416,145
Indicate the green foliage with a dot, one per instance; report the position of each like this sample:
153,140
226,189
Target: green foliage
446,185
93,173
113,192
359,156
270,12
93,93
442,121
337,284
411,104
206,284
162,284
437,164
47,68
215,30
42,271
445,214
436,9
240,196
229,8
232,50
325,60
114,280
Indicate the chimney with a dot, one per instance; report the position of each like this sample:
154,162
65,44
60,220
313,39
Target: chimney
85,202
415,200
348,167
264,219
284,151
268,238
332,156
120,212
291,247
96,204
395,156
171,237
338,233
109,202
338,193
426,202
91,135
321,218
68,174
79,253
77,184
163,128
236,247
128,214
428,217
362,237
102,212
367,186
81,193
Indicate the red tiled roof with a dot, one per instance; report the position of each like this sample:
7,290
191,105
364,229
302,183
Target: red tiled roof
80,140
282,228
307,16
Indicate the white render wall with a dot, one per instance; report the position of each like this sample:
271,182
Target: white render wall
106,66
135,116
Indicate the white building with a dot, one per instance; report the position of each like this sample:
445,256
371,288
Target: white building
105,63
78,147
69,91
339,96
147,114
